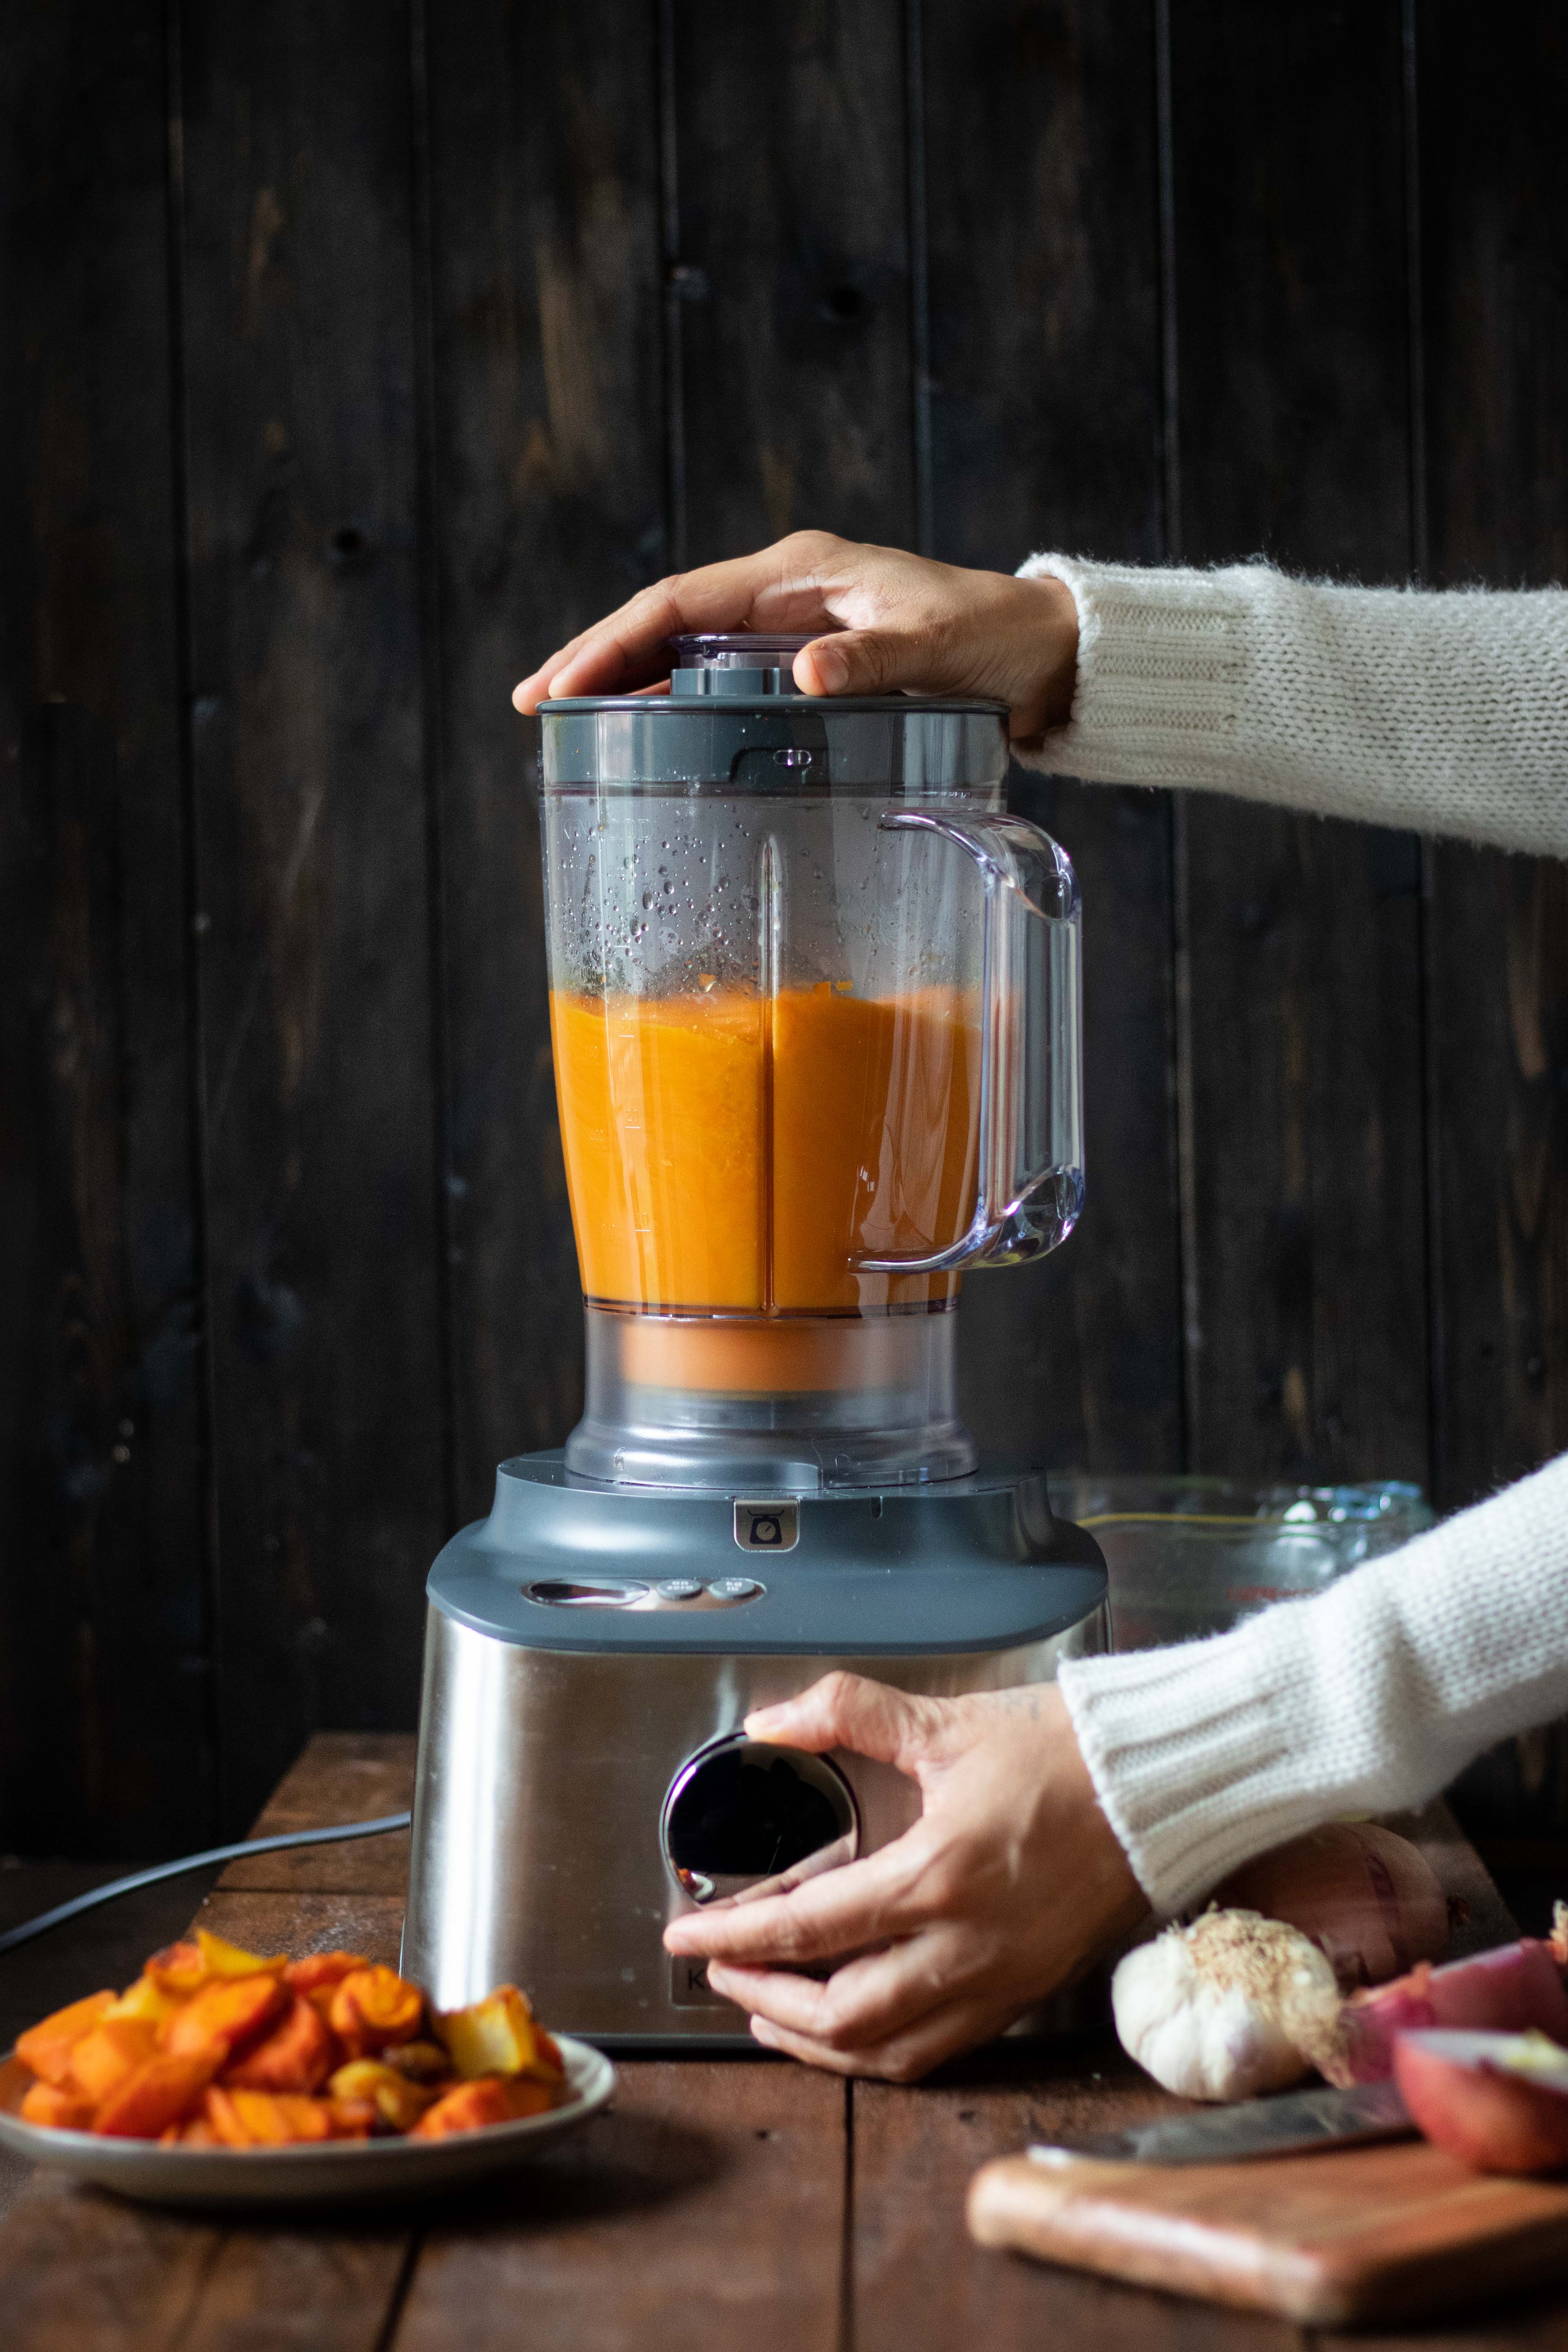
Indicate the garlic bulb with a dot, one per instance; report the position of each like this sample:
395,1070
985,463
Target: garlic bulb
1226,2008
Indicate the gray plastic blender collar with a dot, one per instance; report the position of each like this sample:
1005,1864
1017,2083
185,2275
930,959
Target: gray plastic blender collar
961,1565
778,743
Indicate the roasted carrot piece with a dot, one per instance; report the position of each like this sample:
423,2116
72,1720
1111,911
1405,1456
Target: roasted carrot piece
222,1959
354,2119
317,1969
373,2008
397,2102
102,2058
498,2036
178,1969
467,2108
186,1968
47,2046
161,2092
422,2062
145,1999
224,2016
486,2100
62,2110
297,2053
265,2118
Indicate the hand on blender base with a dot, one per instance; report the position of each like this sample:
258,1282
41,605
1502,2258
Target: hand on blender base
1008,1886
895,623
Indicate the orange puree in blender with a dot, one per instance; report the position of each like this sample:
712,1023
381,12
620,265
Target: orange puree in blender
733,1151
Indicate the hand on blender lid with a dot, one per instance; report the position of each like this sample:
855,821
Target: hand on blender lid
893,622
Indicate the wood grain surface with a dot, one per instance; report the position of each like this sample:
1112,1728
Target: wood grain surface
1043,415
105,1632
791,241
355,355
705,2211
339,1776
546,491
718,2202
1495,357
1304,943
313,875
1329,2239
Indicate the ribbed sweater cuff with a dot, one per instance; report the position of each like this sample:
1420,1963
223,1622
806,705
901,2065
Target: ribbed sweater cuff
1162,667
1182,1745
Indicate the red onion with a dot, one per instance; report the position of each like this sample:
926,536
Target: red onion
1498,2100
1513,1988
1369,1899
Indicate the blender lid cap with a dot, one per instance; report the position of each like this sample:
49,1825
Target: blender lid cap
748,661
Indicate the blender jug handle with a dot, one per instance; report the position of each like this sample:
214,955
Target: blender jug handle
1030,1177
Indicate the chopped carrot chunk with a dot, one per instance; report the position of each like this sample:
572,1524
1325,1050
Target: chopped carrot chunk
422,2062
146,1998
102,2058
486,2100
61,2110
161,2092
317,1969
47,2046
224,2016
397,2102
266,2118
184,1967
498,2036
295,2054
373,2008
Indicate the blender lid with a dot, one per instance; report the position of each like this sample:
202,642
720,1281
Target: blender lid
757,665
732,716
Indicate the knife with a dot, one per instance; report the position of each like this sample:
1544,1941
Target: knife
1296,2123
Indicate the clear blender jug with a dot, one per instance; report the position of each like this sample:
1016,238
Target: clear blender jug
814,1006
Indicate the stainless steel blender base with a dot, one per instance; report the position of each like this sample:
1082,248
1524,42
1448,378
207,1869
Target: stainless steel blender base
551,1730
537,1858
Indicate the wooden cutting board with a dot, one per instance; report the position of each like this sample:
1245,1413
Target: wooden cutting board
1328,2239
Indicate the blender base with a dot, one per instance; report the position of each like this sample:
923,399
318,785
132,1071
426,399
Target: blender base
586,1643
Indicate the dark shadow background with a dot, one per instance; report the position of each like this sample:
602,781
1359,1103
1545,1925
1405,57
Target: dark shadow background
352,352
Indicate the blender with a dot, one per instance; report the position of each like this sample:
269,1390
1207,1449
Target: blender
814,1010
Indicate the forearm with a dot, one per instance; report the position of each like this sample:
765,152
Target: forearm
1367,1698
1444,713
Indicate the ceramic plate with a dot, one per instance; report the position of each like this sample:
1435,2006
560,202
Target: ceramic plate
328,2173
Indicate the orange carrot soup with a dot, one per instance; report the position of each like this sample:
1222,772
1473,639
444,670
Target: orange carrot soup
736,1153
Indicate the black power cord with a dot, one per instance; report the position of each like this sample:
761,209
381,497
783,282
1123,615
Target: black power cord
97,1895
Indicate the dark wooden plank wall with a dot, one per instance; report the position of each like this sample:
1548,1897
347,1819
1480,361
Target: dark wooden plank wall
352,353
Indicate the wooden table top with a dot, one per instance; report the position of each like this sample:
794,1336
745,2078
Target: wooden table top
719,2203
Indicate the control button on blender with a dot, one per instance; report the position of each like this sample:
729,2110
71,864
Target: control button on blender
679,1588
734,1588
563,1593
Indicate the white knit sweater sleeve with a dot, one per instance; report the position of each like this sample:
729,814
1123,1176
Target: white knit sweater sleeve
1366,1698
1446,712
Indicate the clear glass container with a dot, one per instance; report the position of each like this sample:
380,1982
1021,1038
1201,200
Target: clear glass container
815,1012
1192,1555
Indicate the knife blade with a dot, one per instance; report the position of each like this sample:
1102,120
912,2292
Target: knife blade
1292,2124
